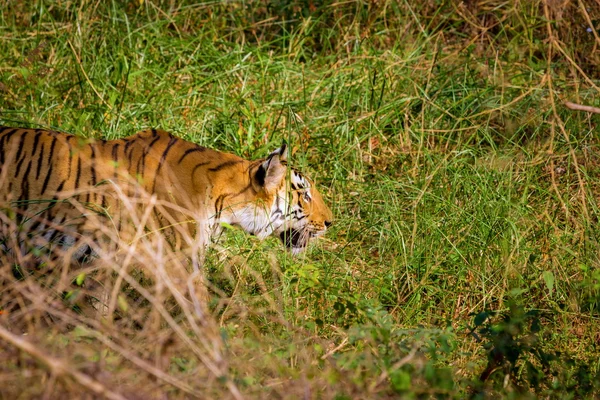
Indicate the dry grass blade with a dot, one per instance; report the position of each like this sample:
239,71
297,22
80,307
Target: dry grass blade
58,367
136,275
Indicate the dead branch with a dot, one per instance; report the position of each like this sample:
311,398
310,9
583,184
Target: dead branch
579,107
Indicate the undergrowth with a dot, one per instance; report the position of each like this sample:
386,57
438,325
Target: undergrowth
463,260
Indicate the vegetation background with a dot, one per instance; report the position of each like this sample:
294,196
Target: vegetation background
464,258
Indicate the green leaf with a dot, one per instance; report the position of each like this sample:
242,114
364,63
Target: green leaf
80,279
517,292
82,331
122,303
481,317
400,380
549,280
226,225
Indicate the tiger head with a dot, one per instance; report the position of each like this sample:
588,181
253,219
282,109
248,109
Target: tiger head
291,206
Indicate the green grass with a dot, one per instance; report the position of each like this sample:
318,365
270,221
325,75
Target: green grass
459,182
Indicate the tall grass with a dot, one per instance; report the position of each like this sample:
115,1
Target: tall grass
464,252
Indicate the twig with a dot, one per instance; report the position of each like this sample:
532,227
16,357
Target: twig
405,360
580,107
58,367
330,352
589,21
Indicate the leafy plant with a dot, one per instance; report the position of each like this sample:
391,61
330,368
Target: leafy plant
518,358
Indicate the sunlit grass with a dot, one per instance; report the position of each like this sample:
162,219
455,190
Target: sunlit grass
436,135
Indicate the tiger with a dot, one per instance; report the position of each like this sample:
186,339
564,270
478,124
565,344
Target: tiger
55,187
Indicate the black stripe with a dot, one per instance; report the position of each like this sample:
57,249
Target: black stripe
172,141
25,183
92,172
45,185
58,190
224,165
129,157
156,139
20,212
39,165
36,142
115,151
293,214
277,214
56,231
127,144
219,205
51,154
7,136
18,169
93,164
78,172
118,215
52,237
189,151
142,159
145,152
20,150
37,221
70,155
141,164
5,139
115,155
198,166
245,189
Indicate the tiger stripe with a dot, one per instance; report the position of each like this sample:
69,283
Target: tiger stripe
197,149
39,163
224,165
172,141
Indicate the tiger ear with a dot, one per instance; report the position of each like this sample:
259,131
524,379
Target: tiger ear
271,172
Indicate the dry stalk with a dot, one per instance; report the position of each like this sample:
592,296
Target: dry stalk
57,367
120,254
557,118
580,107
